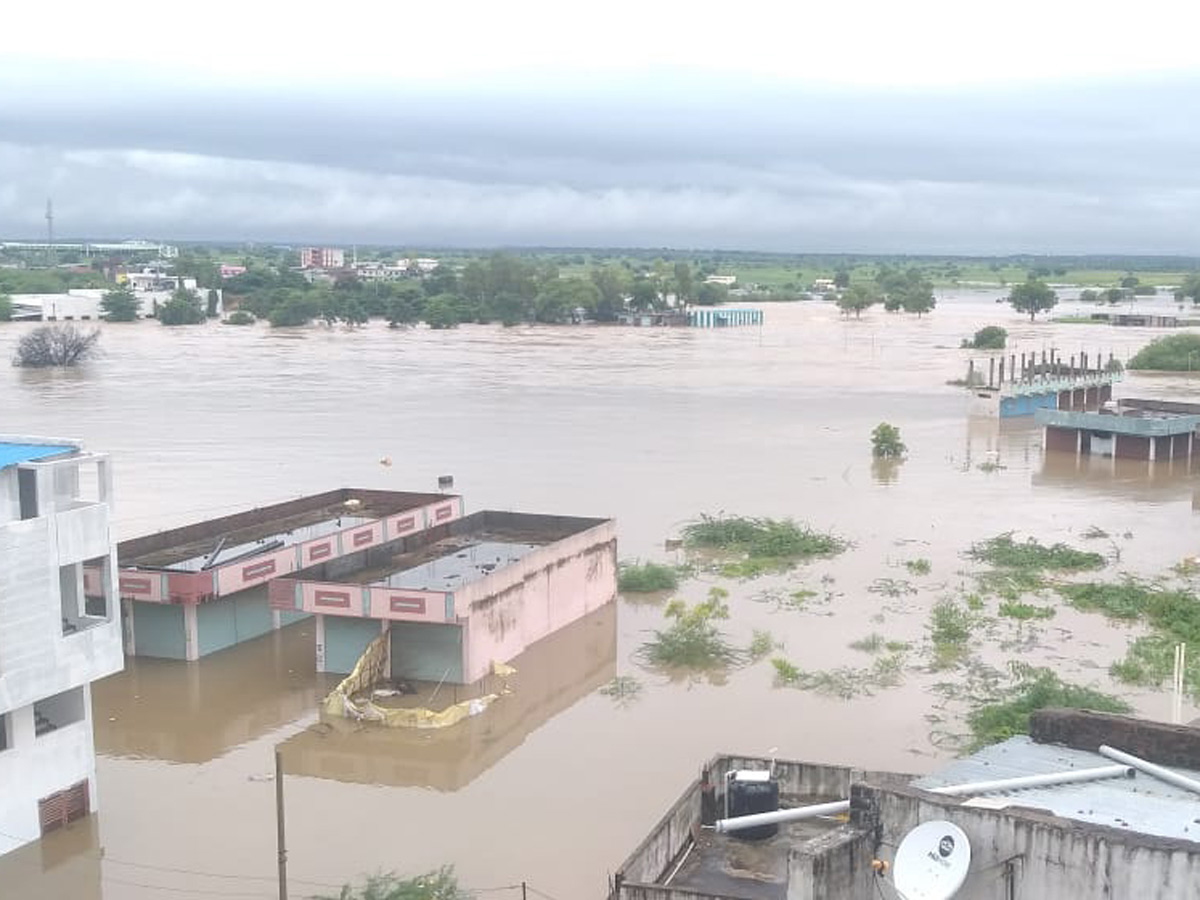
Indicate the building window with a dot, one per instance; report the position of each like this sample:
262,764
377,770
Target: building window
27,490
58,711
5,739
85,590
64,807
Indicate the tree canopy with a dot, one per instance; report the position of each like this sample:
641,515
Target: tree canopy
1032,297
1174,353
184,308
856,298
119,305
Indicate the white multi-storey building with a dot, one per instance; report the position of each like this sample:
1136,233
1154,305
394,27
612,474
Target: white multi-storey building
60,630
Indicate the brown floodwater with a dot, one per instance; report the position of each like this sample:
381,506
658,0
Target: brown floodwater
558,782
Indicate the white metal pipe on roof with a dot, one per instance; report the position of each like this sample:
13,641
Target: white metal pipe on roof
1071,776
1151,769
782,815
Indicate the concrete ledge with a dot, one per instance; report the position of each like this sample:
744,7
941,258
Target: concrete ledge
1158,742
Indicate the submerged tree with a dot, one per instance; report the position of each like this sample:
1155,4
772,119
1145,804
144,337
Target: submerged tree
1032,297
859,297
886,443
55,345
119,305
182,309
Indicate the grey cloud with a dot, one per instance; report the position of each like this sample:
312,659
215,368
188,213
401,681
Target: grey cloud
669,161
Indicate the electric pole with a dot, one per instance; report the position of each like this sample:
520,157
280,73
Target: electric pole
282,844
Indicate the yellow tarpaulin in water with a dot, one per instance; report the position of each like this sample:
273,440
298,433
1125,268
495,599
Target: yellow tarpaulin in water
369,671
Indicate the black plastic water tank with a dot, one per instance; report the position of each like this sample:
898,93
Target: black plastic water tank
749,797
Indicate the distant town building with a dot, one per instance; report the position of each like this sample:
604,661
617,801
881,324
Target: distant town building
322,258
421,265
378,271
229,271
824,285
59,630
727,280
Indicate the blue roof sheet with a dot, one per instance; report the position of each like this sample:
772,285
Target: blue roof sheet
11,454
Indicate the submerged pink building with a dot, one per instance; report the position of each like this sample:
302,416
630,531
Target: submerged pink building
457,596
195,590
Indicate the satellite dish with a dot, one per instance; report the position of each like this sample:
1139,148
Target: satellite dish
932,862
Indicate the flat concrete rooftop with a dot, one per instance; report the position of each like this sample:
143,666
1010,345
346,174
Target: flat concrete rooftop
268,527
726,866
447,557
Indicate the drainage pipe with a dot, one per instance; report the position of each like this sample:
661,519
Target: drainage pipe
1070,776
1149,768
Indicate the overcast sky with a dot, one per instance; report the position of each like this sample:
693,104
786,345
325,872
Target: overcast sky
928,127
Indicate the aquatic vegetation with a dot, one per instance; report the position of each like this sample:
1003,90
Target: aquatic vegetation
1093,533
1036,688
437,885
644,578
974,602
622,690
762,645
891,587
950,628
761,538
844,682
1128,599
753,566
1005,553
1014,609
990,466
1009,584
692,640
1173,616
919,566
872,643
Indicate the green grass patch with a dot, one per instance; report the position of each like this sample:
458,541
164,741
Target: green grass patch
692,640
1014,609
1005,553
919,566
1036,689
891,587
775,539
644,578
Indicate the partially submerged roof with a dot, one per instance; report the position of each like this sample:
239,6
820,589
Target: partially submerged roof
1141,804
14,454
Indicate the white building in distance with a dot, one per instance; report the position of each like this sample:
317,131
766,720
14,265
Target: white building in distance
60,630
322,258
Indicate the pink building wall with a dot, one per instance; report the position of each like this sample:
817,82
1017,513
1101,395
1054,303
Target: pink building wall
550,587
196,587
353,600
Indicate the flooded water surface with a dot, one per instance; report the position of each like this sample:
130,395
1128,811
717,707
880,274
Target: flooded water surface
558,781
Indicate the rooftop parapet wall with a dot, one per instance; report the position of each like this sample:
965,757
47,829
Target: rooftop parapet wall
1023,852
1137,426
639,875
146,574
1158,742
